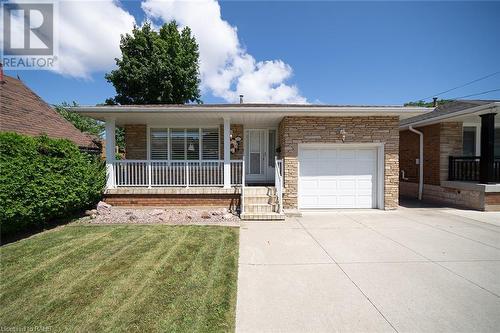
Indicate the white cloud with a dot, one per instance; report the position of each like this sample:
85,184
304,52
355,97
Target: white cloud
89,38
89,35
227,70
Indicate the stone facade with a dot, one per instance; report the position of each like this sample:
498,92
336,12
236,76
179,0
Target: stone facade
450,196
296,130
450,145
136,142
460,197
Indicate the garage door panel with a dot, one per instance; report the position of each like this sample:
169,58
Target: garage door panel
364,202
366,154
310,154
344,154
309,184
346,201
326,202
337,178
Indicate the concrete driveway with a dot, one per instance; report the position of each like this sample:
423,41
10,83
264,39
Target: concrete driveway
411,270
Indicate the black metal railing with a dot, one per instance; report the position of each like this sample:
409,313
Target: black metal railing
466,168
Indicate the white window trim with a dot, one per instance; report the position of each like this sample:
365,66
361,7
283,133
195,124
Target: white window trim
168,128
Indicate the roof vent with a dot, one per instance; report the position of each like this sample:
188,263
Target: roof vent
241,99
434,101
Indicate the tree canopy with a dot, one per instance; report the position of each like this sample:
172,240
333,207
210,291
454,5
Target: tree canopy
428,104
87,124
157,67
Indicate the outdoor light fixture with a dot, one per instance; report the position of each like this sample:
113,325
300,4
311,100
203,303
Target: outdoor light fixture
342,134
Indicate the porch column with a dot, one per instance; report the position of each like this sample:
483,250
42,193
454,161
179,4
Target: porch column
110,152
227,153
486,166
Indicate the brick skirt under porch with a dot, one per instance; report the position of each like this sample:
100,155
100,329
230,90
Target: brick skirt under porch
174,197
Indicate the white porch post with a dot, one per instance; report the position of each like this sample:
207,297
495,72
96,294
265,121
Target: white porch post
227,153
110,153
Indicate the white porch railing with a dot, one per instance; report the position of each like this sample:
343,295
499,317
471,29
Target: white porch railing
278,183
183,173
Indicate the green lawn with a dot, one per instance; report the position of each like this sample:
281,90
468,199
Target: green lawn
121,278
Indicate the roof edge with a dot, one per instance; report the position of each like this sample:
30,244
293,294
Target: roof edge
480,109
249,108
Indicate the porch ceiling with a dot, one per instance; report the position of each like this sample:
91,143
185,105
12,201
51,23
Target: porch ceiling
250,115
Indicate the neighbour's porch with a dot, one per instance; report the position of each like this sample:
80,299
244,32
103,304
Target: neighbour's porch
480,161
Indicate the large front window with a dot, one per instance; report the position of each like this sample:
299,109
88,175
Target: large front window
184,143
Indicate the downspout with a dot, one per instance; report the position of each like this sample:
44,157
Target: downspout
421,162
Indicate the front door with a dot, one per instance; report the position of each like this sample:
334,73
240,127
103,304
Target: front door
260,150
255,155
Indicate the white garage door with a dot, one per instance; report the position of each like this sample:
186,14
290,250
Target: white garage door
337,177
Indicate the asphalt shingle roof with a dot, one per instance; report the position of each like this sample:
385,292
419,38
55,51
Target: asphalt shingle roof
447,108
24,112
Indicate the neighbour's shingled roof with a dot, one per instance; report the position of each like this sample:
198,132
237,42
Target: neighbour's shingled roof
24,112
447,108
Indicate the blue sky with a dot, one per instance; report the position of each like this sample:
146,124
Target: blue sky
336,52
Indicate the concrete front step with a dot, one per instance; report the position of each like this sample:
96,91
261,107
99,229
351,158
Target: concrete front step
262,216
259,208
259,190
261,199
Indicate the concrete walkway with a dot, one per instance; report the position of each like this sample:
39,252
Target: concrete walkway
411,270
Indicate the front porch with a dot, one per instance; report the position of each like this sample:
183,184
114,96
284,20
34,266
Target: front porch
185,162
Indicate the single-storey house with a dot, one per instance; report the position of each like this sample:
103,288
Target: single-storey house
452,155
24,112
261,159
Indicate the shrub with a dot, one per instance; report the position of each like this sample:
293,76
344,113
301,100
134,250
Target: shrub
43,179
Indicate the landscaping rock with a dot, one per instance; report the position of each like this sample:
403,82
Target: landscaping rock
91,212
157,212
103,208
192,215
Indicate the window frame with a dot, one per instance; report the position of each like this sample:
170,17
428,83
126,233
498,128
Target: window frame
478,136
185,128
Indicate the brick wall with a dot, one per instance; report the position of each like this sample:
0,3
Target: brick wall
136,142
450,144
229,201
409,151
296,130
237,130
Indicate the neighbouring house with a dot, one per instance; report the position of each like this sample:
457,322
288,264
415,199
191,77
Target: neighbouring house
258,158
461,155
24,112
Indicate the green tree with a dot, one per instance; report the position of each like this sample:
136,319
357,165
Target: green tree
157,67
83,123
87,124
428,104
